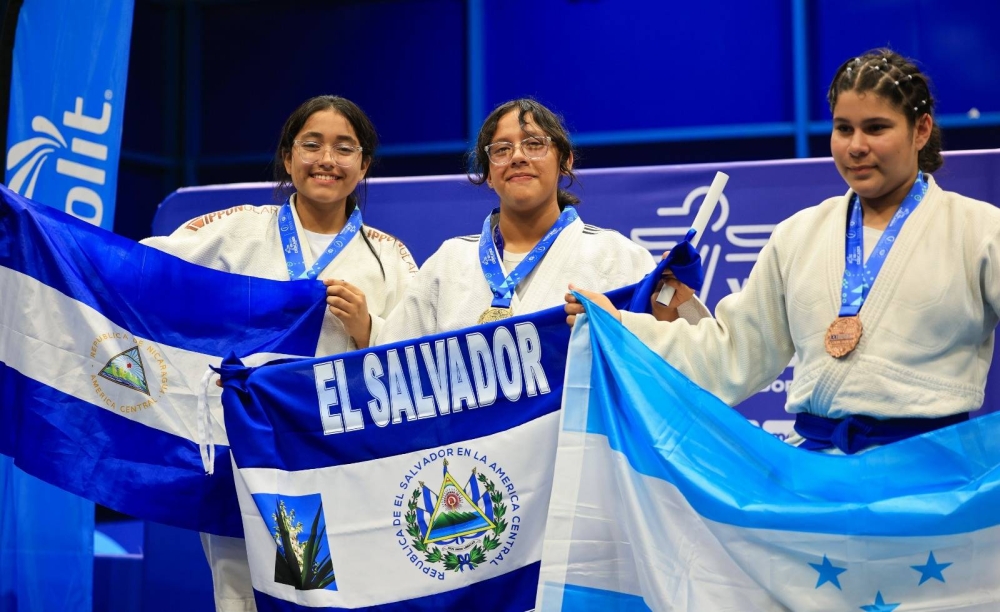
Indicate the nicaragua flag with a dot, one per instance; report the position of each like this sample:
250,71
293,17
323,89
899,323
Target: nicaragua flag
103,346
664,498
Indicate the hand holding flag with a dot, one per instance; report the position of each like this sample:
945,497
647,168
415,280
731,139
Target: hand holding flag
683,260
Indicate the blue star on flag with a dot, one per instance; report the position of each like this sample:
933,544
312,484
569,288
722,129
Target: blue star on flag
931,569
880,605
828,572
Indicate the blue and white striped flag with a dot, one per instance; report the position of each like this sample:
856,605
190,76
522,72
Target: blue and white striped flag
103,347
414,476
666,499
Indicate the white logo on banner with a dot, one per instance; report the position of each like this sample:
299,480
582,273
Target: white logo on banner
740,250
31,155
743,242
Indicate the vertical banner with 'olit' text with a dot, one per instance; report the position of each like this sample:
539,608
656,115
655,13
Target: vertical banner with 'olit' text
67,99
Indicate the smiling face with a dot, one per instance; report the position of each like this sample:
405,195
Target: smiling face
875,147
324,185
525,185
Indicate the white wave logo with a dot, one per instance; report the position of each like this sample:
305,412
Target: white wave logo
744,241
742,245
31,154
29,157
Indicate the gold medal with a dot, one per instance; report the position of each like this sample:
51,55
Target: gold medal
493,313
842,336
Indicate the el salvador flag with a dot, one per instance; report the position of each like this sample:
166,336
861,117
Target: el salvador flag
664,498
413,476
103,347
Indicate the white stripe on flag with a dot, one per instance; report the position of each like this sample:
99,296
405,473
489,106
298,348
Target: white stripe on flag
66,344
372,563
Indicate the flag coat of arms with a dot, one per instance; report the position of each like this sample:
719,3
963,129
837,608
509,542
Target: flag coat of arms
664,498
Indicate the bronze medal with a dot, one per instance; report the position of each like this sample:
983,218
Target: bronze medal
493,313
842,336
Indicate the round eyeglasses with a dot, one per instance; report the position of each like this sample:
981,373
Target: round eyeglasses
344,155
533,147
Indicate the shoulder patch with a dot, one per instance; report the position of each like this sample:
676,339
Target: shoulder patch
469,238
593,230
200,222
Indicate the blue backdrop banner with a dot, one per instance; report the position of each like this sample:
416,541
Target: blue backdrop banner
66,104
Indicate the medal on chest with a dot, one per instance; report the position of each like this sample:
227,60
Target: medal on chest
844,334
491,254
493,313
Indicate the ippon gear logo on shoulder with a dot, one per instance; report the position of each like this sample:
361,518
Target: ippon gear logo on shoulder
78,158
742,242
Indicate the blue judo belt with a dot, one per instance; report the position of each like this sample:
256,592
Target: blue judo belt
858,432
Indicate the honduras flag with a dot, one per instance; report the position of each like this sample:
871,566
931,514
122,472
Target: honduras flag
666,499
103,347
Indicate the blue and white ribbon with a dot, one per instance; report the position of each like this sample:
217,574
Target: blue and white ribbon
293,248
491,251
859,275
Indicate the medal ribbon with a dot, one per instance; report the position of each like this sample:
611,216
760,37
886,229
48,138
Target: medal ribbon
858,276
293,248
489,256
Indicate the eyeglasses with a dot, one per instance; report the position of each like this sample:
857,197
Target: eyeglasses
344,155
533,147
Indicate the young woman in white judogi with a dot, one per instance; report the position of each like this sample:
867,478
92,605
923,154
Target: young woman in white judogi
535,239
912,354
326,148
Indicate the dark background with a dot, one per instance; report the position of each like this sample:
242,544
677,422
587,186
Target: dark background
639,82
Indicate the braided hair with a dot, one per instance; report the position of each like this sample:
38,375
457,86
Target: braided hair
897,80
